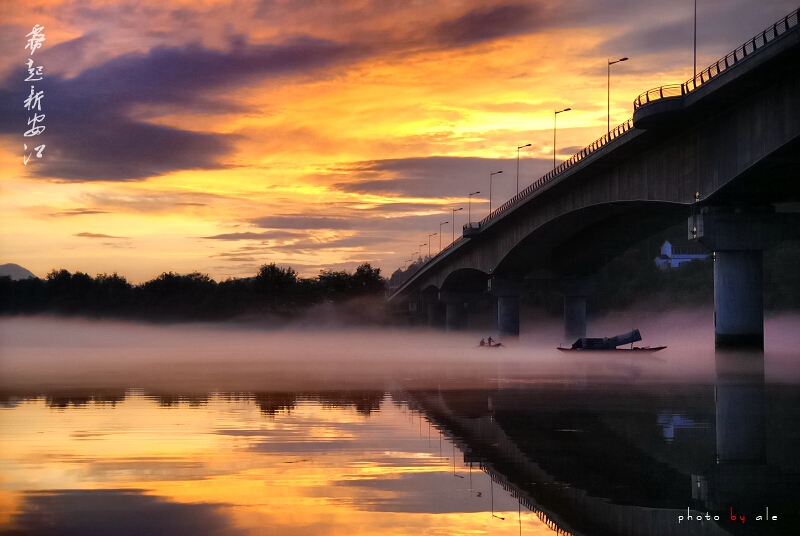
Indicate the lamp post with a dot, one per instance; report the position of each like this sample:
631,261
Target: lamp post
491,483
469,207
429,243
454,221
490,188
518,148
695,40
555,115
420,248
440,234
610,63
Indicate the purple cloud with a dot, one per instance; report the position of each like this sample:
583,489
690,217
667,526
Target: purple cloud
90,134
487,24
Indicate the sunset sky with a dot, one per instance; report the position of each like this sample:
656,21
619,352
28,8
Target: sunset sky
218,136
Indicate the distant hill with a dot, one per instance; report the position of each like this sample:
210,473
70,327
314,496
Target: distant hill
15,271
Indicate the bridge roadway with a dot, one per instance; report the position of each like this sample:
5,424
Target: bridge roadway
722,149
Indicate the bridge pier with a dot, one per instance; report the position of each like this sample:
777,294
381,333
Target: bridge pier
741,407
432,308
456,318
575,290
508,293
456,309
738,238
436,314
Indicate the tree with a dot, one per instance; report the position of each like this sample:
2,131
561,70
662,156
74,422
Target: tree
178,295
367,281
335,285
275,284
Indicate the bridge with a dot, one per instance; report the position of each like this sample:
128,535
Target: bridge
721,150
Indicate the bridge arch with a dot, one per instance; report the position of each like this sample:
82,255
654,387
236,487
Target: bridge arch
581,241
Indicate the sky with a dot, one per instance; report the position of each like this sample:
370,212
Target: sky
218,136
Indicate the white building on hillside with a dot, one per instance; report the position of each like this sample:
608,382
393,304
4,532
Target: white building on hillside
673,256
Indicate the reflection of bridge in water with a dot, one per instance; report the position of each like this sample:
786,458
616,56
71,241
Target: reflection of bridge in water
599,461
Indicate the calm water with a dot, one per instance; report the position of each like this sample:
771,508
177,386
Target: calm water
332,463
128,429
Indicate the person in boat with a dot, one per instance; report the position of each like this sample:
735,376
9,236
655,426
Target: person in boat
482,343
491,341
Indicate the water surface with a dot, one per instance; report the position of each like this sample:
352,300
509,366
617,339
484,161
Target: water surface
117,428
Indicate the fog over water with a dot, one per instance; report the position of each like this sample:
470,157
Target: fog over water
44,353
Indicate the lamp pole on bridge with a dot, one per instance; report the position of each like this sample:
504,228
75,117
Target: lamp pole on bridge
469,207
518,148
610,63
490,188
555,115
420,248
454,221
695,40
429,242
440,234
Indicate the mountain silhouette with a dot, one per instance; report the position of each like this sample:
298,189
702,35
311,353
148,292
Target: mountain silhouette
15,271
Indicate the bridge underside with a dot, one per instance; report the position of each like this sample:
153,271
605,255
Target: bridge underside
581,243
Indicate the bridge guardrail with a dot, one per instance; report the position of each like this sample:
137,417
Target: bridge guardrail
712,71
574,159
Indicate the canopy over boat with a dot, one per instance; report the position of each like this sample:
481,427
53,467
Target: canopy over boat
606,343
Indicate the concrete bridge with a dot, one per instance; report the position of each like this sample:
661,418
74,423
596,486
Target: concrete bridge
721,149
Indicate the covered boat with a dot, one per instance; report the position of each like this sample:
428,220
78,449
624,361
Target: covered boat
611,343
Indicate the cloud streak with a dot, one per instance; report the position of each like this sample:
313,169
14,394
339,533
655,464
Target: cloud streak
99,235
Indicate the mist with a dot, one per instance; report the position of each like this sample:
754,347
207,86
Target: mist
42,354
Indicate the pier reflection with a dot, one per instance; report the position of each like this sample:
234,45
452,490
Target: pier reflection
639,459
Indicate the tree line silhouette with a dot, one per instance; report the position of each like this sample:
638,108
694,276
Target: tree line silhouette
273,290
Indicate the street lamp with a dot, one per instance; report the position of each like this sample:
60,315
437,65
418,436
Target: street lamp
491,483
420,248
440,234
454,221
490,188
405,263
469,207
695,41
555,115
429,243
518,148
610,63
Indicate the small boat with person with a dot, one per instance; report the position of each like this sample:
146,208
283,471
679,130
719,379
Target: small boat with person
611,344
490,344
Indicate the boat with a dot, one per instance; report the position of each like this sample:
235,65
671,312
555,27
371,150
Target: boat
611,344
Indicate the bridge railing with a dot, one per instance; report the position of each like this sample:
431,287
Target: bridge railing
756,43
561,168
451,245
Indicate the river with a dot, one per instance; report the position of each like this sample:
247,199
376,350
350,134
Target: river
122,428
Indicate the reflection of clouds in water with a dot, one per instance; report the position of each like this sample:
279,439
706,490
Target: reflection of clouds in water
430,492
119,512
